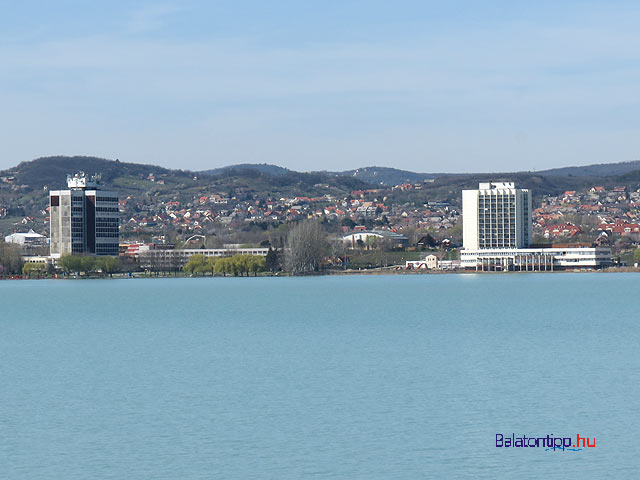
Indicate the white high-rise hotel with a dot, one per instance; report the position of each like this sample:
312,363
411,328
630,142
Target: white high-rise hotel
496,221
497,215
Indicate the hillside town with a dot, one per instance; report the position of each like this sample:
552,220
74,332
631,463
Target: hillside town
377,227
589,214
360,210
573,215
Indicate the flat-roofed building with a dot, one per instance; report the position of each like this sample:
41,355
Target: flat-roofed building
536,259
174,259
496,221
84,219
364,238
429,262
496,215
29,238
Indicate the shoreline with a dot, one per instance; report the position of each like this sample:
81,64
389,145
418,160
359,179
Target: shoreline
386,271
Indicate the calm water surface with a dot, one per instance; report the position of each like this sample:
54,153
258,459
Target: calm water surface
370,377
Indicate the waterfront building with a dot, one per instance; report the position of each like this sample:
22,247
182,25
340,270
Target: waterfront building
429,262
496,215
536,259
496,221
84,218
174,259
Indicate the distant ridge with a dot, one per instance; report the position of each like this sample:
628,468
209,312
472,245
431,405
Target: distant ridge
394,176
595,170
52,170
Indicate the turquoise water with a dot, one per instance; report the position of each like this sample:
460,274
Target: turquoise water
368,377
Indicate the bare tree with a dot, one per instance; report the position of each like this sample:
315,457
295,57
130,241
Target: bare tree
154,261
306,248
338,252
10,258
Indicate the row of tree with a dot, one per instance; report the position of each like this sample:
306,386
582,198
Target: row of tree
234,265
87,264
306,251
37,270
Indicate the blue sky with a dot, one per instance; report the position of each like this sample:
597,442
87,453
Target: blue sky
452,86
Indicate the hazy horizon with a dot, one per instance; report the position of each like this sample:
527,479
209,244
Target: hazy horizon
422,86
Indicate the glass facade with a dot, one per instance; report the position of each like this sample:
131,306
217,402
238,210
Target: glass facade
497,220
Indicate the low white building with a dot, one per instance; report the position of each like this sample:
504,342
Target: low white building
363,238
535,259
449,265
177,258
29,238
430,262
41,259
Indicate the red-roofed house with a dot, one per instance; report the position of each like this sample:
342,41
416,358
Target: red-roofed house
620,227
561,230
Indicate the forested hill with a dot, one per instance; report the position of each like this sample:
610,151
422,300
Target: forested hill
393,176
387,176
266,180
273,170
52,171
595,170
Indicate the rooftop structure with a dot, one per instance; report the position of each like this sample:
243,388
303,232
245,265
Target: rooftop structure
80,181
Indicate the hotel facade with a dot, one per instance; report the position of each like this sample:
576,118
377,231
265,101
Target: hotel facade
497,215
84,219
496,220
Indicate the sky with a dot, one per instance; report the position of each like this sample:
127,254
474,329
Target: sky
447,86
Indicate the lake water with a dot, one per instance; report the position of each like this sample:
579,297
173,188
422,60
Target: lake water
364,377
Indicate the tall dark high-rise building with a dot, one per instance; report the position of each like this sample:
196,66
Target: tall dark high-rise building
84,218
